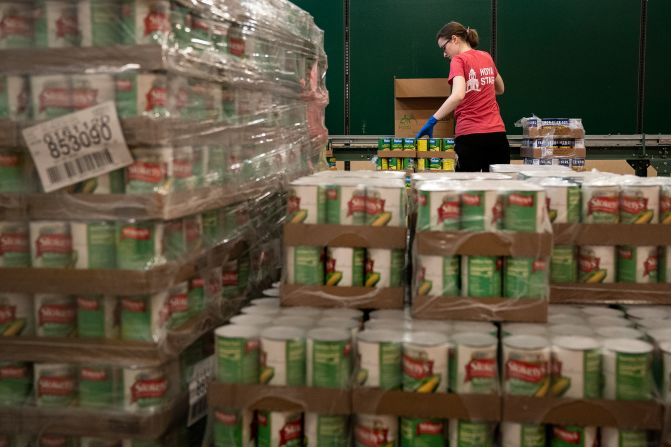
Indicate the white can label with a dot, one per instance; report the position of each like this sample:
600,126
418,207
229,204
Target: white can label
145,389
596,264
425,368
16,315
375,431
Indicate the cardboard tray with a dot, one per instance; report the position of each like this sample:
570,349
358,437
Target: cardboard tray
502,243
115,282
344,236
435,154
553,152
275,398
615,293
353,297
90,422
600,413
612,234
129,206
435,405
397,154
479,309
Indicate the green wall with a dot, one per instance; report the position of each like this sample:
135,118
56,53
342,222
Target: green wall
571,58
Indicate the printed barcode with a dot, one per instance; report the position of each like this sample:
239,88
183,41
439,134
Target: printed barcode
79,166
197,411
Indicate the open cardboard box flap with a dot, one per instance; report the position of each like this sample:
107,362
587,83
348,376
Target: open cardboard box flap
415,100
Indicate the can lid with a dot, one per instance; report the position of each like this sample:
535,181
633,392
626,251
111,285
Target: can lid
301,311
628,346
610,321
343,312
260,310
283,333
268,302
388,314
404,325
618,332
251,320
570,329
526,342
655,323
563,309
473,326
276,285
442,327
665,346
524,329
474,339
565,319
576,342
427,339
379,336
237,331
271,293
329,334
660,334
647,313
338,323
595,311
300,322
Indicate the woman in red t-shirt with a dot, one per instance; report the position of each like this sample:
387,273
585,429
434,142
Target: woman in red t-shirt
480,132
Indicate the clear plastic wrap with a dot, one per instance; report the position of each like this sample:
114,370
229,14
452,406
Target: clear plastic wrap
553,141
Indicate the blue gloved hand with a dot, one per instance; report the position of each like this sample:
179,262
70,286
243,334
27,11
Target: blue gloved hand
428,128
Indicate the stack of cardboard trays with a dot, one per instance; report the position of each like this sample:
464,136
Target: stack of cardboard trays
553,141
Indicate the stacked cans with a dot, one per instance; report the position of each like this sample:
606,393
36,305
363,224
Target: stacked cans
419,164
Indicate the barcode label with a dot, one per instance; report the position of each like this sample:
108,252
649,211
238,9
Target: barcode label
80,166
78,146
203,372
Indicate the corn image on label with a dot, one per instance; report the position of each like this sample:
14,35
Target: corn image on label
626,367
385,206
17,18
14,244
473,364
572,436
232,428
438,275
99,386
563,203
16,315
282,357
380,363
326,431
576,368
470,434
612,437
416,432
139,245
447,144
425,359
384,267
376,431
665,204
16,381
55,385
422,145
636,264
523,210
55,315
384,144
346,204
639,204
596,264
527,366
481,276
435,144
307,204
525,277
97,316
522,435
564,264
600,204
51,244
345,266
144,389
238,355
480,210
397,144
279,429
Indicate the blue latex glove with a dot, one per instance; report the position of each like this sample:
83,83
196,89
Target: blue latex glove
428,128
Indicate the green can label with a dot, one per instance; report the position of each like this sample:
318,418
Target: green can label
98,387
525,278
527,374
345,266
346,205
14,244
56,385
384,144
12,169
197,294
16,381
380,365
279,429
179,306
570,436
331,363
99,23
212,227
17,19
632,376
409,144
138,245
532,435
564,264
481,276
326,431
472,434
521,211
397,144
93,313
229,429
238,360
136,318
416,432
435,144
632,438
637,264
94,245
307,204
283,362
308,265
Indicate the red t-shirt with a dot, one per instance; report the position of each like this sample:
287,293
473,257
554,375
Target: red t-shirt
479,111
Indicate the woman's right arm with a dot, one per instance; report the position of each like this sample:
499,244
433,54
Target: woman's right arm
499,87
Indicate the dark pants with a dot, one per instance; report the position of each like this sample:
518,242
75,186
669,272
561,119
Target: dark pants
479,150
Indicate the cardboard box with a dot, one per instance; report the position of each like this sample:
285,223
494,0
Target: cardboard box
353,297
612,234
600,413
279,398
615,293
415,100
530,310
451,155
443,243
482,407
397,154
